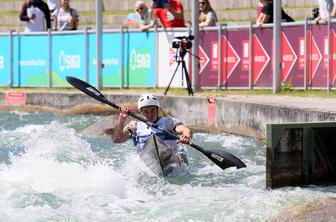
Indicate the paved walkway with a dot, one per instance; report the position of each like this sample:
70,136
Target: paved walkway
313,103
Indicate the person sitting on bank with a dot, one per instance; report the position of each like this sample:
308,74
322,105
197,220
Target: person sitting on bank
149,105
65,18
207,16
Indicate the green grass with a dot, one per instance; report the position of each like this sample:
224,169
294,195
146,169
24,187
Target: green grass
182,91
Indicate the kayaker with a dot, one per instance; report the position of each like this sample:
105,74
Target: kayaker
148,105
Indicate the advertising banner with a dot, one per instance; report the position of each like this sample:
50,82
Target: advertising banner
30,61
168,61
111,59
233,74
333,57
75,55
292,56
209,54
317,74
4,61
139,59
68,58
262,51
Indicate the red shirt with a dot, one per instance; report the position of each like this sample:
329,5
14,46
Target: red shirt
167,19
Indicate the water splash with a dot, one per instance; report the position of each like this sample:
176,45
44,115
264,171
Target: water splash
54,170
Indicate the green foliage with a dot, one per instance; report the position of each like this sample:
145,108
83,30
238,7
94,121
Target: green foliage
286,86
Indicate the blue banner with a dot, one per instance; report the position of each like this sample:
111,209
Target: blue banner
139,59
4,61
68,58
30,61
111,55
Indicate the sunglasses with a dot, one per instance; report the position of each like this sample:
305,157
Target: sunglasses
202,3
139,9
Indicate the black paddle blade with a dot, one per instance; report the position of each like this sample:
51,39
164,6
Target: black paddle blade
89,90
86,88
224,159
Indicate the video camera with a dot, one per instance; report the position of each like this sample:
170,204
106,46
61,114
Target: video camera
183,42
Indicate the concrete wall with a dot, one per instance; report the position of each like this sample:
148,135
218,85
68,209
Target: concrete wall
240,115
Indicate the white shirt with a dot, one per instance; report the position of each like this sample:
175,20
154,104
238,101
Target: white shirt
326,7
38,24
54,4
62,17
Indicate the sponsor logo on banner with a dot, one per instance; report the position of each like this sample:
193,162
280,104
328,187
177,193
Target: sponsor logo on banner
68,61
140,60
288,57
214,56
301,53
230,59
204,59
2,62
33,62
246,55
315,56
260,59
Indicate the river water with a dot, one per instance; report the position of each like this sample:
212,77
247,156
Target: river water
49,172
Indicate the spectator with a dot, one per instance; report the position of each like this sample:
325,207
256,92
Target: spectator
259,8
145,16
266,15
53,5
171,15
65,18
36,14
327,8
207,16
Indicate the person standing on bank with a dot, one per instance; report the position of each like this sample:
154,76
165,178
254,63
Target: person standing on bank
149,106
171,15
266,15
53,5
146,14
327,8
65,18
207,16
36,14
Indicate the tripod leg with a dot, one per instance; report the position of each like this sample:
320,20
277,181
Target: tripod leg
189,87
178,64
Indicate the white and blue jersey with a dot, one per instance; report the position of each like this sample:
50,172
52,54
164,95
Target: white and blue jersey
141,132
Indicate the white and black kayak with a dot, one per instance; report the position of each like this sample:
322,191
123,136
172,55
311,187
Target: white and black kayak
160,158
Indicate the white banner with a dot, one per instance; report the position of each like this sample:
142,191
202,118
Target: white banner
167,61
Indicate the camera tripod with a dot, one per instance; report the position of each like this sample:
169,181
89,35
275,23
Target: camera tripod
180,60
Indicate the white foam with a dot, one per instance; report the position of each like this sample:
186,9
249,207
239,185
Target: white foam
57,160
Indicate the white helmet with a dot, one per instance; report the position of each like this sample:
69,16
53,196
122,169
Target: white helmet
148,100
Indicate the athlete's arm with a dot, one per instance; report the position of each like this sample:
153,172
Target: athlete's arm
185,133
121,134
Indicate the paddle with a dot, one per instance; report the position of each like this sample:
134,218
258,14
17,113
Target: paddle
219,157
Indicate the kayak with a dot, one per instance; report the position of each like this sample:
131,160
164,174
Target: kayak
160,158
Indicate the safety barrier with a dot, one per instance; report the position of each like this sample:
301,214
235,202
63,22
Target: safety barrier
231,57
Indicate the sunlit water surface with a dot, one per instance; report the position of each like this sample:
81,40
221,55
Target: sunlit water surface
49,172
